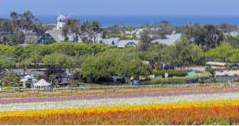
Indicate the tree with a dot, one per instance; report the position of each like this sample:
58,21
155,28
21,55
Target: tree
114,62
58,60
165,28
72,26
27,20
14,17
181,54
22,23
91,29
186,53
145,41
207,36
234,41
225,52
226,28
6,62
18,37
157,54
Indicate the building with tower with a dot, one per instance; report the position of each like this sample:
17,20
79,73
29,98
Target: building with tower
60,22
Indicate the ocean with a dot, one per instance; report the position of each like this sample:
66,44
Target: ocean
137,21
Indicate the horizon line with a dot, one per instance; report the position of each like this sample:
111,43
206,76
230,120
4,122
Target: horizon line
138,15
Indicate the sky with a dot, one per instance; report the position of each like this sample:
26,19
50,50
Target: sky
123,7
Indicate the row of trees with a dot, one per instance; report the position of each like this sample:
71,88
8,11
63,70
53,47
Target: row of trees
13,30
206,36
114,62
93,62
225,53
183,53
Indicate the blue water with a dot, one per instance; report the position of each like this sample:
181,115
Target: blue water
142,20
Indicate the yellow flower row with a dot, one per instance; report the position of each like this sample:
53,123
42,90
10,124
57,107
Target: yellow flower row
181,105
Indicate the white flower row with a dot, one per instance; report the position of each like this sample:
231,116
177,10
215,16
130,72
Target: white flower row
116,101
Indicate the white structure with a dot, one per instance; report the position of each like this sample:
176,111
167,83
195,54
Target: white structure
233,33
98,37
28,78
138,32
120,43
57,33
227,73
110,41
193,68
169,40
42,84
127,43
60,22
218,65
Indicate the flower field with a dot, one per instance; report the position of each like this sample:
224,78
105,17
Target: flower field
169,105
209,112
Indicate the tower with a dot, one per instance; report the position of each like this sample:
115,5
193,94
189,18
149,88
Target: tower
60,22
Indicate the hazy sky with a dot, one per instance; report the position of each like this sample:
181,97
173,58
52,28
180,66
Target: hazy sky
123,7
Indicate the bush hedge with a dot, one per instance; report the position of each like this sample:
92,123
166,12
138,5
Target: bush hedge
181,80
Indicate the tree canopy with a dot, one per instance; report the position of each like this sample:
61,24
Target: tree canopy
115,62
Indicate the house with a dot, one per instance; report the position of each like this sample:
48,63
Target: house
119,43
138,32
98,37
193,68
169,39
4,35
34,38
227,75
45,38
127,43
56,34
30,37
110,41
232,34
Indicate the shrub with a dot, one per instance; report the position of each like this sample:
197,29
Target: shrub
172,81
11,80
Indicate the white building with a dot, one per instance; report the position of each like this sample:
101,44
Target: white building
57,33
233,33
110,41
120,43
127,43
169,40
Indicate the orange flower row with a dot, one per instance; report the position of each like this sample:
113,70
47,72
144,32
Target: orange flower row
183,113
